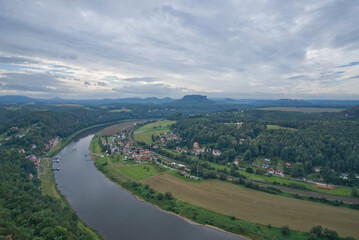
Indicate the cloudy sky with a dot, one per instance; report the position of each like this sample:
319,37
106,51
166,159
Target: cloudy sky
238,49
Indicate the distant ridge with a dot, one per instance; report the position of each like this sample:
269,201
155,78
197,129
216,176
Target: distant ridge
194,99
16,99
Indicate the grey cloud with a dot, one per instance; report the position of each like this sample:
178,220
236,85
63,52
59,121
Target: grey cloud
87,83
38,82
220,45
151,90
102,84
144,79
296,77
16,60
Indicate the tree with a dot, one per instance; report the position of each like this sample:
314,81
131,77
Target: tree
317,230
285,230
160,196
297,170
222,177
168,195
260,171
328,174
247,155
330,234
313,236
354,192
249,170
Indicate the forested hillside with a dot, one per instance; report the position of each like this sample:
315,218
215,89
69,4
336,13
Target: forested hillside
325,140
26,214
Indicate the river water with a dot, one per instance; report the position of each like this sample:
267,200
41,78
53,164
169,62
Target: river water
112,211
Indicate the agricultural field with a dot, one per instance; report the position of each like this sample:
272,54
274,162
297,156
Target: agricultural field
113,130
145,133
121,110
276,127
256,206
302,109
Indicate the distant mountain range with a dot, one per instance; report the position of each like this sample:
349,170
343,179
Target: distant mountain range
187,100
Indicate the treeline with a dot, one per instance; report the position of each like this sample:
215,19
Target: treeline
315,140
24,212
39,124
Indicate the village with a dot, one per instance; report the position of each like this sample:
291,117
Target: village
15,135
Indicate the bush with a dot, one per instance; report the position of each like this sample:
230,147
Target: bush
330,234
249,170
222,177
285,230
147,186
313,236
134,184
160,196
168,195
317,230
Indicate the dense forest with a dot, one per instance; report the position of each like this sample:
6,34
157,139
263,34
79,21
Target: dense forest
24,212
328,141
25,126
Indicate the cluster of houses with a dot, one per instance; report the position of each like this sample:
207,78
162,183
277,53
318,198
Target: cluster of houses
133,152
166,137
52,143
184,171
16,133
198,150
32,158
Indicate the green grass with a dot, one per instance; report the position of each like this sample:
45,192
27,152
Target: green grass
145,133
276,127
140,171
121,110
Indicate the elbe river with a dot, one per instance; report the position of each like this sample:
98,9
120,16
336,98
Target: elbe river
112,211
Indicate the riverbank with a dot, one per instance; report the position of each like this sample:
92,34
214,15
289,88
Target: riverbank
189,212
49,186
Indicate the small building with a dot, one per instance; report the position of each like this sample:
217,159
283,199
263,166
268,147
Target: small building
317,169
279,173
344,176
216,153
288,165
271,171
